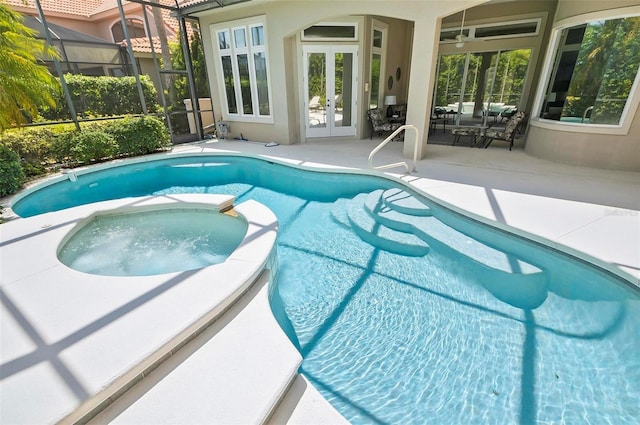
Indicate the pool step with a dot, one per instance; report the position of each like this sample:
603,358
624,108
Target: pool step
397,200
435,232
237,371
396,221
498,271
379,235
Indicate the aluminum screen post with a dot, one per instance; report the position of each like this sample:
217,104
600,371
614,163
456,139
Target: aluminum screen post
56,63
195,105
132,58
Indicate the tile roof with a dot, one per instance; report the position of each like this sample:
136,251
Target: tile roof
143,44
84,8
88,8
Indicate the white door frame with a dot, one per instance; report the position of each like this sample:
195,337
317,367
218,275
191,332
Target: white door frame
330,130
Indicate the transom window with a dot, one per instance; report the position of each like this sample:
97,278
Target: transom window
523,28
596,65
243,65
338,31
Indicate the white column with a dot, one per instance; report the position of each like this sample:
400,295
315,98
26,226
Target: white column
421,78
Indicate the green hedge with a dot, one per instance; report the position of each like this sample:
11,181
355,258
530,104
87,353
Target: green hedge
102,96
11,175
32,147
36,150
138,136
93,145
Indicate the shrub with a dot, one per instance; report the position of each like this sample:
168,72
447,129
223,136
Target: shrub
138,136
92,145
61,147
33,147
41,148
11,175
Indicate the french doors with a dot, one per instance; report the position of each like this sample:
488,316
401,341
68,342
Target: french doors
330,78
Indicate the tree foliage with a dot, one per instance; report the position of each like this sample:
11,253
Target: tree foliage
25,83
605,70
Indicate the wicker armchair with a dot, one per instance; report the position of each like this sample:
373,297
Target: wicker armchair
379,123
508,133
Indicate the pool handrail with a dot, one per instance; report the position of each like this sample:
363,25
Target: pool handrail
387,140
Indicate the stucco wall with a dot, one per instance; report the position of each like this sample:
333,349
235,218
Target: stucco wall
604,149
617,152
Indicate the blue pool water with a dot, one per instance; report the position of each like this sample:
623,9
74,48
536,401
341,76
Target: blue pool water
464,325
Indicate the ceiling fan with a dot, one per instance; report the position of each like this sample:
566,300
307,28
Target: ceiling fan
460,39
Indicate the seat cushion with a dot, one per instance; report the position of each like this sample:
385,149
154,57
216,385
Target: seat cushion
464,131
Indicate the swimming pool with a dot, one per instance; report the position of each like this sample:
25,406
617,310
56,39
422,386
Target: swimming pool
404,330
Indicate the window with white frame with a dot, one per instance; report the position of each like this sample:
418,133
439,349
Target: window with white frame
244,67
596,67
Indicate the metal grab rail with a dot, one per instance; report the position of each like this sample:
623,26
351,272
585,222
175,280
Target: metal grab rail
586,112
387,140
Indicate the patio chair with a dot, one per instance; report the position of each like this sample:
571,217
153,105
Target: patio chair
379,123
314,103
507,113
507,134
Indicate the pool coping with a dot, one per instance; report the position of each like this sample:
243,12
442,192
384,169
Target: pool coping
103,334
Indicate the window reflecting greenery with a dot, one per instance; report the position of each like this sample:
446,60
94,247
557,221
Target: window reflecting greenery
245,84
376,61
596,66
245,70
260,62
229,84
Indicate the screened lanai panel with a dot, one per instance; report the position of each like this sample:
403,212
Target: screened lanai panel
92,53
449,81
479,86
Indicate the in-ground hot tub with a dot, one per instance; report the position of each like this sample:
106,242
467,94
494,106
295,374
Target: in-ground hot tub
155,241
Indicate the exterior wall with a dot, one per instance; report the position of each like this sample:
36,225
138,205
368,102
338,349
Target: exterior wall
85,27
398,55
284,21
612,149
618,152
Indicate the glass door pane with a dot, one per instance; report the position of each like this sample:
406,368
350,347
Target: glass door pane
449,82
343,90
316,90
511,76
479,86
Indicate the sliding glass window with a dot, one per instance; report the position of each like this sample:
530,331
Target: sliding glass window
595,68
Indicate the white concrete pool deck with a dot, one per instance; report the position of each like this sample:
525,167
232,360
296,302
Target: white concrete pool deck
590,211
